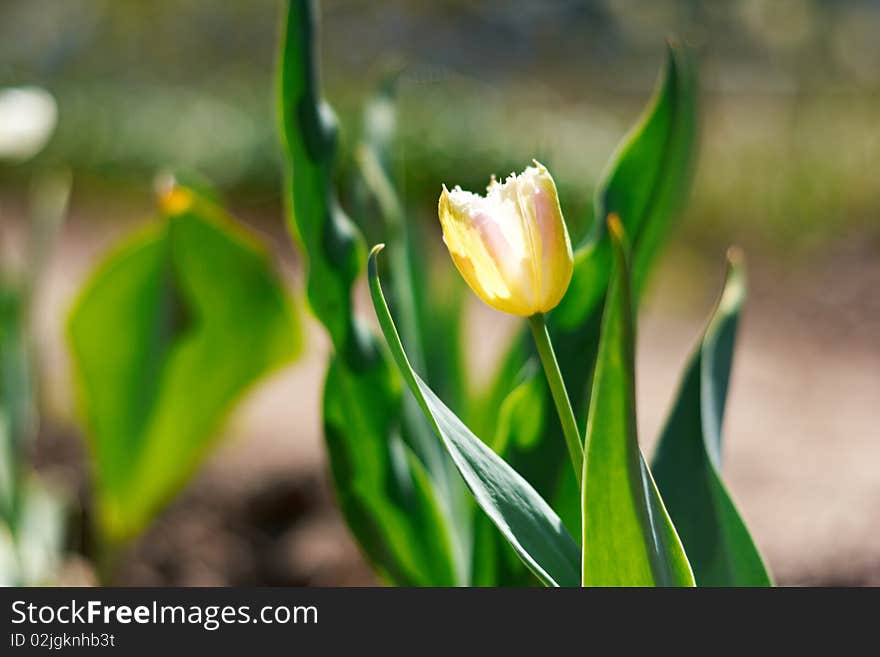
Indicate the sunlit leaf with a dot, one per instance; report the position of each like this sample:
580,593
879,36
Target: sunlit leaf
687,463
518,429
389,502
383,491
166,336
646,182
628,538
519,513
331,242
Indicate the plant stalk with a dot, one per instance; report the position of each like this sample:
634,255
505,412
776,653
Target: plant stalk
573,439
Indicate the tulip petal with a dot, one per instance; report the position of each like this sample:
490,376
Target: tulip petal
556,258
511,246
487,256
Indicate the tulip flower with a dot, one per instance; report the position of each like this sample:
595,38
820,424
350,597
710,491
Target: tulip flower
511,245
513,249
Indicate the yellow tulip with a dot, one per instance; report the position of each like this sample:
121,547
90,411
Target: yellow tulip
511,245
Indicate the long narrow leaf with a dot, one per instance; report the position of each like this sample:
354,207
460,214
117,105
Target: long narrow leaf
331,243
687,463
374,156
390,504
628,538
645,183
519,513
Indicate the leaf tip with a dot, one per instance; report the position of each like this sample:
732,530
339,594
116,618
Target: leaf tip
734,291
371,261
615,227
735,257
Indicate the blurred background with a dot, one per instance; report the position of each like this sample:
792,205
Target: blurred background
787,170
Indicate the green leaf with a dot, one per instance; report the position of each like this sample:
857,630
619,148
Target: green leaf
166,337
646,184
518,430
383,491
628,538
333,247
418,318
687,463
17,398
389,502
519,513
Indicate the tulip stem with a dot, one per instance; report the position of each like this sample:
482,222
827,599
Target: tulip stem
560,396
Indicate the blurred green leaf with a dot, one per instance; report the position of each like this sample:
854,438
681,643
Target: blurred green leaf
687,463
8,471
628,538
519,513
385,495
331,242
372,157
166,336
419,316
17,399
383,490
645,184
31,551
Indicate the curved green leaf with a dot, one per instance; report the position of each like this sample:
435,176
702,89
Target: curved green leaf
645,184
418,324
165,337
628,538
687,463
518,429
383,490
519,513
390,504
331,243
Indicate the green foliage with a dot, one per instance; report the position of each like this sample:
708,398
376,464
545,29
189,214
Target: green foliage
387,493
520,514
334,246
30,551
687,463
398,485
17,404
382,488
32,523
414,317
166,336
628,539
645,183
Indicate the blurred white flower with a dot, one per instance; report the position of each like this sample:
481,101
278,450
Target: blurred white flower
27,120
